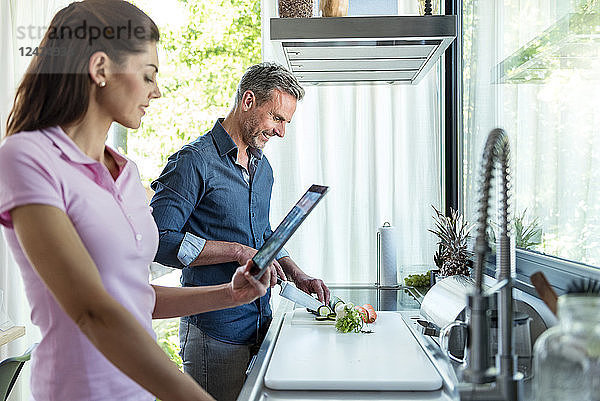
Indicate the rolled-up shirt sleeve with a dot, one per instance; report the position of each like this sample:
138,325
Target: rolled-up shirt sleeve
283,252
177,191
190,248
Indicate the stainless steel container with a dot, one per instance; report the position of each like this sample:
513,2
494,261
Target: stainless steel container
445,302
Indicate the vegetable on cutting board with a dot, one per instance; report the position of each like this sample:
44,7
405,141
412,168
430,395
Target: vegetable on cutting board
334,302
348,318
363,313
323,311
372,315
339,309
351,318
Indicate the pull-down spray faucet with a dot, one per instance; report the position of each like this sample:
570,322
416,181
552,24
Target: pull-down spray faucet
484,383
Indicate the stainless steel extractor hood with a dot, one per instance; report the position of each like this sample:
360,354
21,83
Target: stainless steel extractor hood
374,49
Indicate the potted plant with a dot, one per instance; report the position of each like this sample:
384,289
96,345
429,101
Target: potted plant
527,231
452,257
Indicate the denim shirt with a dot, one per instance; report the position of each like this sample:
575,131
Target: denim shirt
202,194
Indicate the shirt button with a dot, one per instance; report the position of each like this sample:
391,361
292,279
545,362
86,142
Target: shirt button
138,237
120,197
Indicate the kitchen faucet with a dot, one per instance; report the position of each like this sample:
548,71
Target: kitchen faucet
480,381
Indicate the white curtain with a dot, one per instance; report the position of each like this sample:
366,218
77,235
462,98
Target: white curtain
378,147
16,18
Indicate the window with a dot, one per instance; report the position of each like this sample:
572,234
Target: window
533,68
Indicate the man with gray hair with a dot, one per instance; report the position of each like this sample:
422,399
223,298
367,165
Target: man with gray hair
211,207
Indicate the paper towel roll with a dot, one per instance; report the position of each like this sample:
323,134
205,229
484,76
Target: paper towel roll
386,255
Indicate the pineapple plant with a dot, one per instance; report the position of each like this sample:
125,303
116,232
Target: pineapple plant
453,231
438,257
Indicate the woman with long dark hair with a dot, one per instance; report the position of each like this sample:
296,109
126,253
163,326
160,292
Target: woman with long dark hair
75,215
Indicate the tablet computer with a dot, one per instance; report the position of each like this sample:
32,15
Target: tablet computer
265,255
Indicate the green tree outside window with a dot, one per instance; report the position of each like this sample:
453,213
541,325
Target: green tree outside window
201,62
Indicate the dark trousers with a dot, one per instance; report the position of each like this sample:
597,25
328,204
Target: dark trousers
219,367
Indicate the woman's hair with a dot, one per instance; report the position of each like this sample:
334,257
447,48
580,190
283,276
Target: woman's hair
56,87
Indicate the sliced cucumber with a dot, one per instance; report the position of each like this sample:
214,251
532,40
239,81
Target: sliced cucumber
333,300
323,310
331,316
339,309
321,318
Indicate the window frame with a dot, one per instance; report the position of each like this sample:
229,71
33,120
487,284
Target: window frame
559,271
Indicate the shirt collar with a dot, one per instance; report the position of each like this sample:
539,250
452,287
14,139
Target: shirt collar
66,145
119,158
225,144
256,152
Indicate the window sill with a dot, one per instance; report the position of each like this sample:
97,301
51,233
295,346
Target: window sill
559,272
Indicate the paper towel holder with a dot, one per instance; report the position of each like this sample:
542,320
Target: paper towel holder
378,282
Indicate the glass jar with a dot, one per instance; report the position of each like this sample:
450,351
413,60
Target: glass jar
567,356
295,8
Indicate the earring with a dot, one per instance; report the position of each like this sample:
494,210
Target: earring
102,84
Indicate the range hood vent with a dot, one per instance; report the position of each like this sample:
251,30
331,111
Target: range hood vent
374,49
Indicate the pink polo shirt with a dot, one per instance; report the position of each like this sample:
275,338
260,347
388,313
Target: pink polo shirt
114,222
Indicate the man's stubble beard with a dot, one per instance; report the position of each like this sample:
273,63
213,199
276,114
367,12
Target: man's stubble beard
249,128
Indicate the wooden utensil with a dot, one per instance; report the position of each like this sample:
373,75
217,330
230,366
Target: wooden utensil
544,290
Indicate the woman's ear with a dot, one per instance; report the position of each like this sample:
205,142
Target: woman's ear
97,68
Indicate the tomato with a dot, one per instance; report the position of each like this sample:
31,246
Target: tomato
363,313
371,313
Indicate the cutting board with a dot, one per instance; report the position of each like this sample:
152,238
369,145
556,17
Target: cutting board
317,357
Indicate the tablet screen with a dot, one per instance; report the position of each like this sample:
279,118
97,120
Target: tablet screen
265,255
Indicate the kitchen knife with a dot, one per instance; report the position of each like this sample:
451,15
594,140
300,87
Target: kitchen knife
290,292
